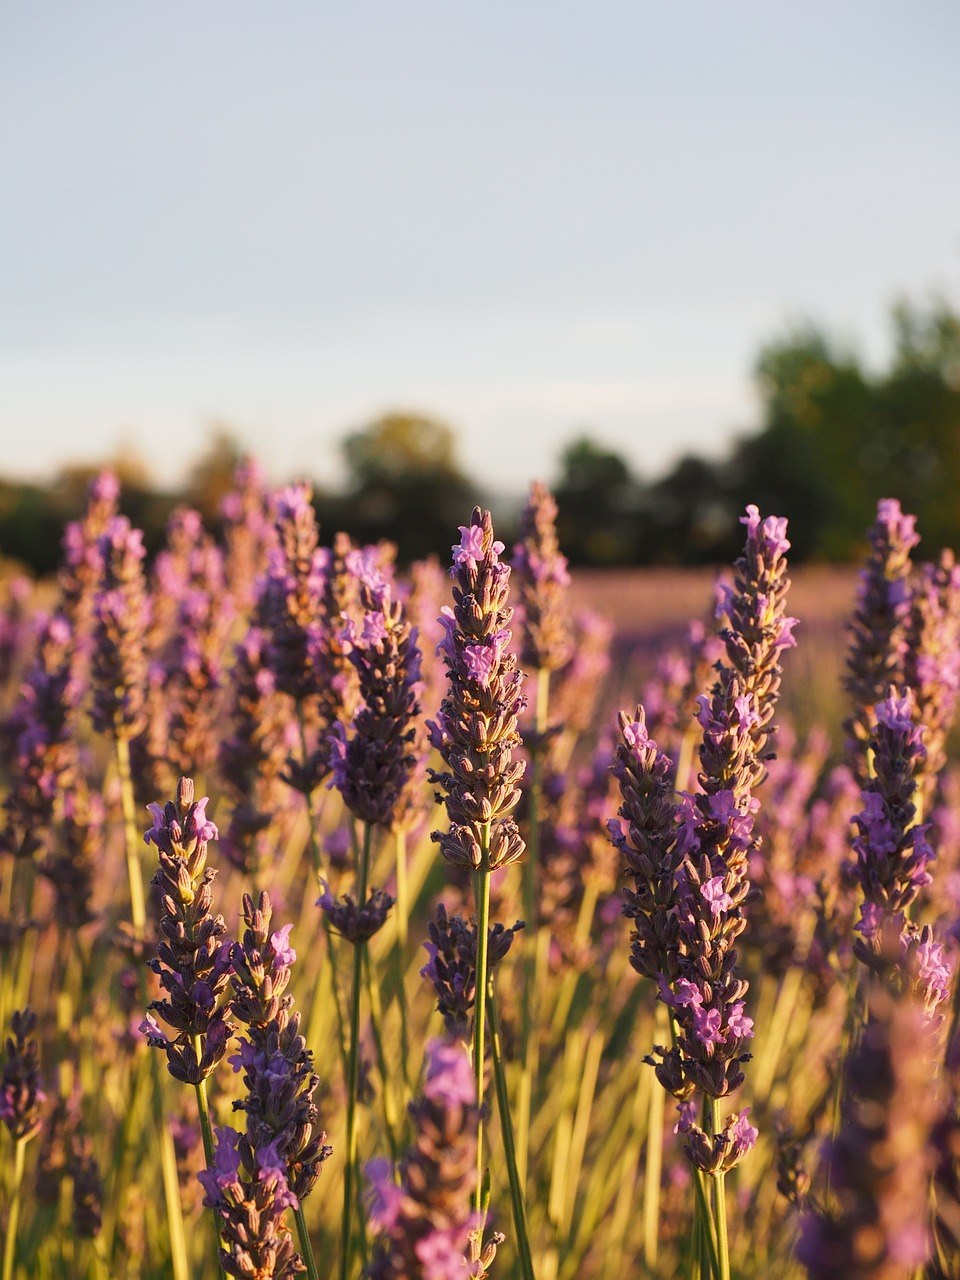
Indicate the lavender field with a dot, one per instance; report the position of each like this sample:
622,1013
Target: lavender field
474,919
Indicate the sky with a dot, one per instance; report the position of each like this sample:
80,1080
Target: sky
528,219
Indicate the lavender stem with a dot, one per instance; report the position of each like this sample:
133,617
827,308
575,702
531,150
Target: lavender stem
353,1067
13,1213
482,894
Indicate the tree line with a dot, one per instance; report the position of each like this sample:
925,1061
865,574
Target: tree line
833,437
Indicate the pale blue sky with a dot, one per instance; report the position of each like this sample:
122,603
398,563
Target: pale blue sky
523,217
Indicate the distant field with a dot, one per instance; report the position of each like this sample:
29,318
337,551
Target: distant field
650,609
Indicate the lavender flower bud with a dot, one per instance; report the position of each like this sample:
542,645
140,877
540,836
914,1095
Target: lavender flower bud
476,729
251,1200
193,957
373,764
283,1134
892,850
424,1222
878,632
542,577
122,614
451,967
21,1097
356,923
881,1160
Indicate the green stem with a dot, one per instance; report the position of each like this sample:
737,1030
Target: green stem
509,1146
138,914
482,894
13,1214
376,1022
138,918
353,1071
306,1248
710,1261
206,1131
402,915
653,1169
529,886
719,1197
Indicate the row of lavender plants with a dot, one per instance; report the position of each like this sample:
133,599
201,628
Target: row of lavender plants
665,995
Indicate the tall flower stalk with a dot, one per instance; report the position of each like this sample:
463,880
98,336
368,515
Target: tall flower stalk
690,865
372,763
476,733
542,579
193,956
21,1112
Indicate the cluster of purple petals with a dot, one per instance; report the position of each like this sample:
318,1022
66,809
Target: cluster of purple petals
892,849
82,568
253,753
21,1095
291,597
122,613
932,661
249,1192
193,960
248,532
356,922
451,965
476,730
372,762
282,1117
881,1160
690,860
880,625
423,1217
44,762
542,580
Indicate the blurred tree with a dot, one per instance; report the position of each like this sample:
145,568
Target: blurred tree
211,477
404,484
601,518
835,438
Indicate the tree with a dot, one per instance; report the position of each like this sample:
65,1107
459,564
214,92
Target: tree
405,484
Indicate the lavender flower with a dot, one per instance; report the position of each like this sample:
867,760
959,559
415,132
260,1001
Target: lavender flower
892,850
248,532
122,614
21,1096
372,764
542,578
45,755
79,578
878,632
426,1228
72,864
251,1199
291,597
282,1134
252,755
647,834
353,921
193,958
932,661
881,1160
476,728
451,967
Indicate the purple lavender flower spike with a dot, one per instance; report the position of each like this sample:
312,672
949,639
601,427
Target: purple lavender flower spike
122,615
21,1094
193,956
424,1222
283,1128
932,662
542,578
374,759
879,629
355,922
476,730
251,1211
878,1223
451,964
